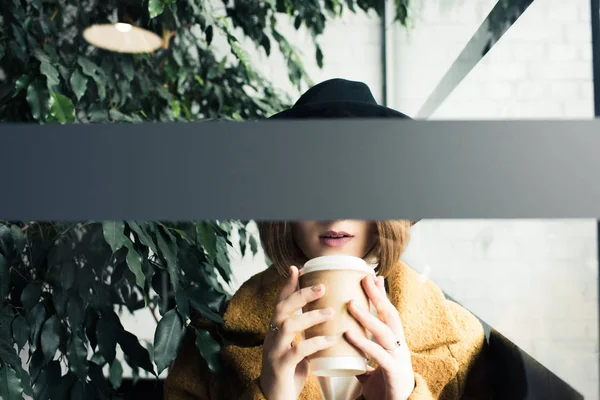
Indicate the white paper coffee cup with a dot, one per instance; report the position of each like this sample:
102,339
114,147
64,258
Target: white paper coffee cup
341,275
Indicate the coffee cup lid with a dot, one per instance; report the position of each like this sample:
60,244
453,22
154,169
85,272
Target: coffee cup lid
338,262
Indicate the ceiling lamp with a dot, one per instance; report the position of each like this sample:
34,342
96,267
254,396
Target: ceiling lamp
122,38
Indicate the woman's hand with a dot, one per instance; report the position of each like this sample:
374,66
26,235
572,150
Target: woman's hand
394,378
285,367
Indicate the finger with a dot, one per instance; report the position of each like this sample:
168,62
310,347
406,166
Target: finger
381,332
371,349
381,284
385,309
298,323
307,347
364,377
296,301
290,284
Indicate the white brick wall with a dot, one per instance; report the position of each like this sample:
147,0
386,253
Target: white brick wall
535,281
351,47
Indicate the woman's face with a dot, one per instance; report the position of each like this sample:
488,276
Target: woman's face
325,238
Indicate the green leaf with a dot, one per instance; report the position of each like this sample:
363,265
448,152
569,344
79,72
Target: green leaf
8,355
205,311
6,242
20,331
207,238
7,315
76,312
61,108
68,272
222,260
21,84
143,235
25,381
168,249
319,56
136,353
155,7
91,323
183,304
18,237
118,116
107,334
209,34
4,279
37,98
176,107
253,245
98,359
113,234
134,262
36,364
167,339
51,74
47,381
97,113
10,384
37,317
115,374
127,68
64,386
60,299
77,356
50,338
243,240
92,70
31,295
210,350
78,83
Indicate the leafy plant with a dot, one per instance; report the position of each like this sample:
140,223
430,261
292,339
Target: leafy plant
64,286
51,74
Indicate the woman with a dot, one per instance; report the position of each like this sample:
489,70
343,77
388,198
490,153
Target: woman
424,347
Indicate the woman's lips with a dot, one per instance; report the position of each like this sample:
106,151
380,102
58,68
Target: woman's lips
335,239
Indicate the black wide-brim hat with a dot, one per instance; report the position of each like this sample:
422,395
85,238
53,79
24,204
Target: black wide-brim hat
339,98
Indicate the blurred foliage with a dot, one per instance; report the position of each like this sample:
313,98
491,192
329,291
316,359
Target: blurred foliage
64,285
51,74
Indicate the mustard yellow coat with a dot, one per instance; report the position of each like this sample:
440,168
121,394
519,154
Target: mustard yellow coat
447,344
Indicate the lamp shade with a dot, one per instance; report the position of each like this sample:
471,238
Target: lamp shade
122,38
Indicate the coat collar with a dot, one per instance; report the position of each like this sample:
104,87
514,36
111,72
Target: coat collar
427,320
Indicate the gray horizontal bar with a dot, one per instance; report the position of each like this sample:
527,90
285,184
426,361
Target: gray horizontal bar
376,169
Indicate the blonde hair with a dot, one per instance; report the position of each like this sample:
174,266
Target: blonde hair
279,245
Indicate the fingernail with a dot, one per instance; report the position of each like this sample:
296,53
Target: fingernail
327,311
317,288
331,338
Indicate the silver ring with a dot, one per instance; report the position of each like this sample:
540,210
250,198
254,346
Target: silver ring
272,327
398,346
